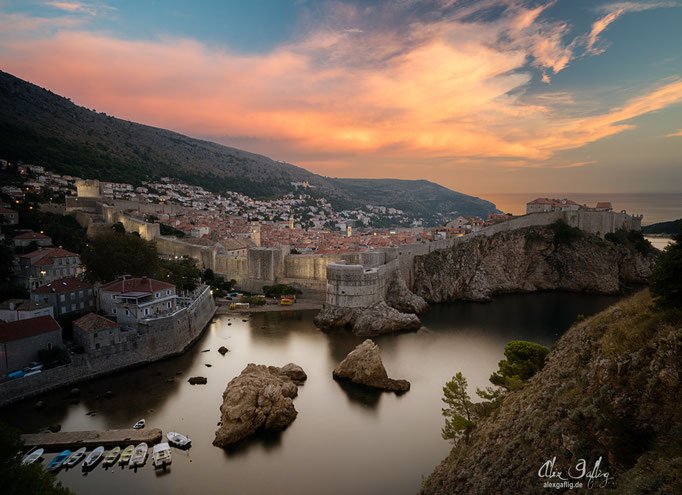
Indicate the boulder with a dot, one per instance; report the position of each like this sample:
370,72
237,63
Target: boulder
399,297
294,372
363,365
198,380
223,350
261,397
370,321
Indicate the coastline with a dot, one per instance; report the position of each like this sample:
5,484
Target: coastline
223,307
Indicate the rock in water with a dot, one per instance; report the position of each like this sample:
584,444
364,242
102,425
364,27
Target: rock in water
222,350
363,365
295,372
261,397
376,319
198,380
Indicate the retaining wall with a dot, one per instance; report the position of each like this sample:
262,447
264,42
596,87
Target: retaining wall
156,339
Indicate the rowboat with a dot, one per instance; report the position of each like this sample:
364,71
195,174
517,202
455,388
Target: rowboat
94,456
178,439
75,457
139,424
58,461
126,454
139,457
111,456
32,456
161,456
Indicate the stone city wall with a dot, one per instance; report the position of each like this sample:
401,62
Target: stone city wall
157,339
354,286
148,231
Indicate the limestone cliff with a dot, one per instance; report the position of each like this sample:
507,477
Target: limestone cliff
370,321
530,259
610,389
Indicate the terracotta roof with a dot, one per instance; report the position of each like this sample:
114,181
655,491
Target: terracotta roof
45,256
604,204
23,305
27,328
142,284
32,235
93,322
6,210
63,285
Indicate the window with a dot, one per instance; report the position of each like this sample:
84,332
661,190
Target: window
63,309
97,346
62,298
112,296
81,293
113,311
127,313
168,292
49,346
73,307
157,295
82,304
91,302
89,292
73,296
59,261
146,311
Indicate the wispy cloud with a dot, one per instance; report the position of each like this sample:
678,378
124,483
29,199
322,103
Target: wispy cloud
675,134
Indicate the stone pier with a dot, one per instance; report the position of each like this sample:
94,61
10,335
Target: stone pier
75,439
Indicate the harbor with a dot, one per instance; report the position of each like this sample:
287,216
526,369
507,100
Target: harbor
52,442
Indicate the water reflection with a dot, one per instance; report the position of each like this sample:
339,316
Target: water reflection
345,439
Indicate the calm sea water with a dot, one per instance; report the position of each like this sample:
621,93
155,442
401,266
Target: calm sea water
655,207
345,440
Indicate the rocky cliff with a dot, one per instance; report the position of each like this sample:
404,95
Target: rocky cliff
611,389
531,259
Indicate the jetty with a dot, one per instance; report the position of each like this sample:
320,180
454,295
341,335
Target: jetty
76,439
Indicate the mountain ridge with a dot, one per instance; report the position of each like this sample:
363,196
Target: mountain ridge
41,127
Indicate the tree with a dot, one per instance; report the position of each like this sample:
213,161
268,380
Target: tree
20,479
118,228
6,262
110,255
182,273
665,283
208,275
524,359
458,414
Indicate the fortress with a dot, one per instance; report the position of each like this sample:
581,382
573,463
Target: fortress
341,279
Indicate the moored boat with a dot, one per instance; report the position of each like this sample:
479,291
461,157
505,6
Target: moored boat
58,461
126,454
161,455
178,439
139,424
94,456
139,456
32,456
75,457
111,456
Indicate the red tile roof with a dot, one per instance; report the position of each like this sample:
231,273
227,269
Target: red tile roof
604,204
32,235
63,285
20,329
93,323
142,284
45,256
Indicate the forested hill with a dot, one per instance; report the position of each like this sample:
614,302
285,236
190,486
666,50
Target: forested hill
40,127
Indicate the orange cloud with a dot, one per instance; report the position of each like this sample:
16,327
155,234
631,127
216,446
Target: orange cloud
445,91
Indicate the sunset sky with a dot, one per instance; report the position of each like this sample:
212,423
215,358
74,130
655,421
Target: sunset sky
480,96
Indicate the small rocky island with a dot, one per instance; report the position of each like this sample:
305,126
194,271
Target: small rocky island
363,365
260,398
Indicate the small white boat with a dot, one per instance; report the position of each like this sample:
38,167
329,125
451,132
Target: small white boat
111,456
126,455
94,456
139,424
178,439
161,456
75,457
33,456
139,456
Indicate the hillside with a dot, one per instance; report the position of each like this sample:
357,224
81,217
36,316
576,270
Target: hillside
40,127
672,227
610,389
